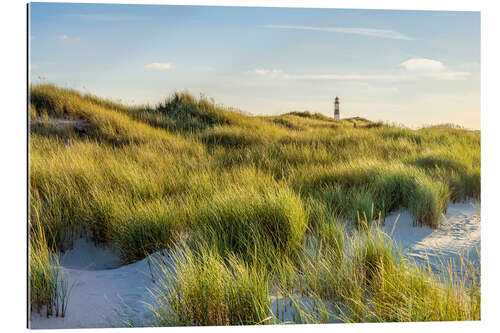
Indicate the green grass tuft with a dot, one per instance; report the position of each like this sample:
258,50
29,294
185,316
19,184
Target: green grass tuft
252,222
203,289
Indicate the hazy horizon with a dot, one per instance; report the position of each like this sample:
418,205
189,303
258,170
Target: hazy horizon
410,67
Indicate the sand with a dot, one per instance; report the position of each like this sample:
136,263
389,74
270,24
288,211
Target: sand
99,288
459,235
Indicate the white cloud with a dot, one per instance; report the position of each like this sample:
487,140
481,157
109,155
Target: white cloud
449,76
432,69
380,33
369,77
66,37
278,73
261,71
422,64
159,66
440,75
266,72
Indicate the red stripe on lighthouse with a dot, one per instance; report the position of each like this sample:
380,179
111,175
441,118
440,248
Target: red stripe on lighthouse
337,108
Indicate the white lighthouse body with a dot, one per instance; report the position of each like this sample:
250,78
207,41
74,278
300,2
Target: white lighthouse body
336,113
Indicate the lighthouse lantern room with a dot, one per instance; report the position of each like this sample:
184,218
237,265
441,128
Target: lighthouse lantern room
336,113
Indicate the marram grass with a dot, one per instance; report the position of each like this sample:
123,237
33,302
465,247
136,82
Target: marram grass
205,289
250,195
48,290
371,282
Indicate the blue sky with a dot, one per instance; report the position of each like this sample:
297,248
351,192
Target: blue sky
408,67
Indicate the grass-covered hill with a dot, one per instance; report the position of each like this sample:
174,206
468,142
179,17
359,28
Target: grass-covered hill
143,178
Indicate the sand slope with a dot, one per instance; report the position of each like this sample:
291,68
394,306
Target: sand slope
459,235
97,292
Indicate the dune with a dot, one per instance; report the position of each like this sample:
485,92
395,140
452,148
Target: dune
140,178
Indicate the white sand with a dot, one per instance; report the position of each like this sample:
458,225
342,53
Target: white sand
459,235
98,288
96,292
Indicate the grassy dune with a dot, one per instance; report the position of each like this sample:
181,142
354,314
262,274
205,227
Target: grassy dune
246,193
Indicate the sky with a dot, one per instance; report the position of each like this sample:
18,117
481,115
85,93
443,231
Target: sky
413,68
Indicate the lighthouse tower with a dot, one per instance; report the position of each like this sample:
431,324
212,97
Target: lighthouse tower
336,113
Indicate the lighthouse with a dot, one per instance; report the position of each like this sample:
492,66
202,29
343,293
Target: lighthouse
336,113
